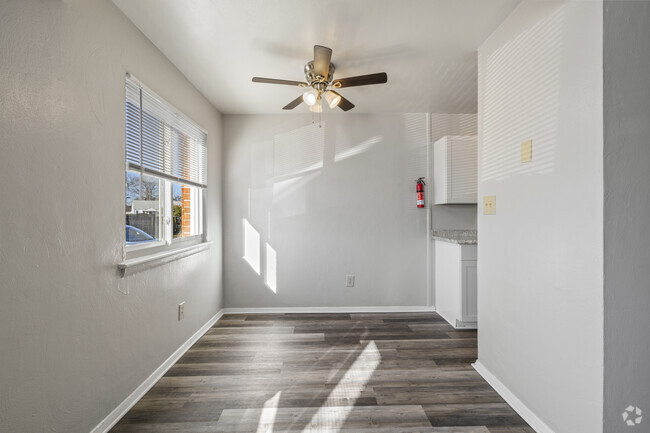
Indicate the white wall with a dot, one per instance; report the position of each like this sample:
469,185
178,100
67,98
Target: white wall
627,183
540,257
74,343
330,201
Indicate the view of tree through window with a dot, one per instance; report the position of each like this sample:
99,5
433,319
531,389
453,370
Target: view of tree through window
143,212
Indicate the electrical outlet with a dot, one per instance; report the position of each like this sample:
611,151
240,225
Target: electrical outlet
349,281
181,311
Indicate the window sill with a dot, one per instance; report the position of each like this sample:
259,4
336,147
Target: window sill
138,264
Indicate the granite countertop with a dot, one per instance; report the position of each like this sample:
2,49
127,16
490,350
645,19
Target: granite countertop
464,237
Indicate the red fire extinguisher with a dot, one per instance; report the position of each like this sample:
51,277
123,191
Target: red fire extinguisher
419,188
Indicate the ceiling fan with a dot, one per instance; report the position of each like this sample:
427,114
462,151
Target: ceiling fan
319,74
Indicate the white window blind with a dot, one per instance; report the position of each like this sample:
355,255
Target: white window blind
161,141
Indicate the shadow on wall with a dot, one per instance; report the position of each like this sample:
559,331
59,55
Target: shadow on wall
507,94
298,158
323,203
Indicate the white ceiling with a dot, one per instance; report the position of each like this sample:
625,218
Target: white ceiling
427,48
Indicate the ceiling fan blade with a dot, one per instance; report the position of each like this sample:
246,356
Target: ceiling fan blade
274,81
293,104
361,80
344,104
322,58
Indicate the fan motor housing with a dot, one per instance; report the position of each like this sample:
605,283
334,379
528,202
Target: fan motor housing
316,81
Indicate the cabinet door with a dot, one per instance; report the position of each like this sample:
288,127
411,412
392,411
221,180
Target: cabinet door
463,170
469,293
455,170
448,280
440,171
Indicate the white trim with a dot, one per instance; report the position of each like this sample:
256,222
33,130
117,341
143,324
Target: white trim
431,300
453,322
112,418
145,245
279,310
145,262
528,415
465,325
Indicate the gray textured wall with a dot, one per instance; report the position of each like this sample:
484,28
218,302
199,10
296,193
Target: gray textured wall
627,211
77,338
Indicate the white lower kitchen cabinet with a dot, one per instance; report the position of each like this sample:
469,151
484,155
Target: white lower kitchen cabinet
455,283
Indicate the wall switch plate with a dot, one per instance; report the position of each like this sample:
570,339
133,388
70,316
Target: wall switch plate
349,281
490,205
181,311
527,151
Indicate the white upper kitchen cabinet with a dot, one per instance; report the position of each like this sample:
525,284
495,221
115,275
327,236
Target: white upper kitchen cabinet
455,171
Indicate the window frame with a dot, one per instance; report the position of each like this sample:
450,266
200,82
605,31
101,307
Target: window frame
167,242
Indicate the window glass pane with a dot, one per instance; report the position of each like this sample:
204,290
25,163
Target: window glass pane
186,210
143,209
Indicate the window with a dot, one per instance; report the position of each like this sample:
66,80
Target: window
166,174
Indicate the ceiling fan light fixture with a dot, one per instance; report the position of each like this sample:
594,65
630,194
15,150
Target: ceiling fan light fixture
310,97
332,98
319,75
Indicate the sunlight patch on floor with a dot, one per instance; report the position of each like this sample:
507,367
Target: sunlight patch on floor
267,417
336,409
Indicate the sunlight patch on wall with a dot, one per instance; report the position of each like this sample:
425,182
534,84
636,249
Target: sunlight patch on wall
360,148
335,410
251,246
270,275
267,416
510,101
286,187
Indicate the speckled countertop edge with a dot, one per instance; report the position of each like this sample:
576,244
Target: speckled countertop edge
463,237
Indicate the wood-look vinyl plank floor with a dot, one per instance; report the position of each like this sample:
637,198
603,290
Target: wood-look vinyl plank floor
326,373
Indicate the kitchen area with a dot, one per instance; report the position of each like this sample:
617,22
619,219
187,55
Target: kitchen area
453,213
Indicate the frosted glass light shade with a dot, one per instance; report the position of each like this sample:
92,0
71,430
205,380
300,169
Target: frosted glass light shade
332,98
310,97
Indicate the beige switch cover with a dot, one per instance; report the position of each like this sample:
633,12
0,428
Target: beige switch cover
527,151
489,205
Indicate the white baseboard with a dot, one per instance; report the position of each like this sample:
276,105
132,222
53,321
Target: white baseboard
447,317
465,325
107,423
533,420
281,310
